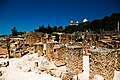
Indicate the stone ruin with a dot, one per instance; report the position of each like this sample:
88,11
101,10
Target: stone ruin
103,51
74,60
50,50
103,62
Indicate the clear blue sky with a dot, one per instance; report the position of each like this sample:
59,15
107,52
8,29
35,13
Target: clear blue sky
27,15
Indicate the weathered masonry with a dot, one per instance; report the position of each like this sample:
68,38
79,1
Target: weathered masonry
104,62
74,60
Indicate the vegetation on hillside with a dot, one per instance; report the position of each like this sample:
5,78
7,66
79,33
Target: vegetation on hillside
108,23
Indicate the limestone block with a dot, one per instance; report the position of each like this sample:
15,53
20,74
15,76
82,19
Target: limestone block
98,77
117,75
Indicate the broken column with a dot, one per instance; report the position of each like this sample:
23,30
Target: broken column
86,67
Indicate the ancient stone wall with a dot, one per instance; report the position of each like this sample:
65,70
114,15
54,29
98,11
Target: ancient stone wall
74,61
118,62
50,50
39,48
65,38
102,63
32,38
60,53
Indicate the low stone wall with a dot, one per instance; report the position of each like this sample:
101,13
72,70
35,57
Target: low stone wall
103,64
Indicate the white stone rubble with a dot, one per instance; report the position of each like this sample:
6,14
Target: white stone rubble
24,68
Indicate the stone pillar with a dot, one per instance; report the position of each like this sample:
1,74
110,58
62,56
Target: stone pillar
117,75
86,67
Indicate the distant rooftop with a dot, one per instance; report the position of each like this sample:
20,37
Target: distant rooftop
85,20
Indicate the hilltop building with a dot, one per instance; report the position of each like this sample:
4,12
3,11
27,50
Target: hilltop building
72,23
77,23
85,20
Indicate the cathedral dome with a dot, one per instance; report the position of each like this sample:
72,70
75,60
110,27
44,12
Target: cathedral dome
85,20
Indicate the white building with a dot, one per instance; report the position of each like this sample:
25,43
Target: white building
71,23
77,23
85,20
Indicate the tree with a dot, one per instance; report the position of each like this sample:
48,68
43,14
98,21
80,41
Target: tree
49,29
60,29
54,28
108,23
14,31
43,29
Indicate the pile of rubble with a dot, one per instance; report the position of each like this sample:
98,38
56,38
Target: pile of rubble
31,67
